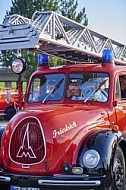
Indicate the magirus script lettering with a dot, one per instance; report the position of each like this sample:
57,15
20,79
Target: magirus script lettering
65,129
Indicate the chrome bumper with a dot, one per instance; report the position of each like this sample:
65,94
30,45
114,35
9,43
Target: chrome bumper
68,183
51,181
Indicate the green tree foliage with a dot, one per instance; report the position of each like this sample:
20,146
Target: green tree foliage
26,8
68,8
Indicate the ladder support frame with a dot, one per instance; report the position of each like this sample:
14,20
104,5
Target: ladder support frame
56,35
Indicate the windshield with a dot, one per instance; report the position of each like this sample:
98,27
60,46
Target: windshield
88,86
48,87
84,86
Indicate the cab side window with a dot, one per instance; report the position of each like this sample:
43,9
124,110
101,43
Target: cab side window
122,80
118,90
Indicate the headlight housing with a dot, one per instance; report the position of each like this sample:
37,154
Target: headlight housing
91,158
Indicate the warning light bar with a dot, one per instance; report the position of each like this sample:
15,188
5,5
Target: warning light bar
43,60
107,55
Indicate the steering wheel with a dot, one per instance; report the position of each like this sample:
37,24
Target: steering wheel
89,94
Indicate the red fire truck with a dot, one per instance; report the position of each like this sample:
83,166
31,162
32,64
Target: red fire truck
71,130
8,102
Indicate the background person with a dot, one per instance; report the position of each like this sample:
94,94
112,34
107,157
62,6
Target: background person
8,96
123,85
50,86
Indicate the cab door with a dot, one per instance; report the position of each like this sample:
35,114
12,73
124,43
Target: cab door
120,108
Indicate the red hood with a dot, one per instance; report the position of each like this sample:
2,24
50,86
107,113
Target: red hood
47,136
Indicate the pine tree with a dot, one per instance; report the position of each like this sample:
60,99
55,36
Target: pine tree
26,8
68,8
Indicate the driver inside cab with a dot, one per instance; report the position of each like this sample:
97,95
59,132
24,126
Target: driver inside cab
73,92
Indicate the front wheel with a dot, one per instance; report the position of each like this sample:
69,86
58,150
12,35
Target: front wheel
118,171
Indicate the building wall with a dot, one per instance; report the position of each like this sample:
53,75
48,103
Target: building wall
7,76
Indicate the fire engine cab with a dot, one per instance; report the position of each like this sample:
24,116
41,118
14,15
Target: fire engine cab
71,131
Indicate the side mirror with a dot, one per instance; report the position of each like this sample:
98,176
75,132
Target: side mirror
18,65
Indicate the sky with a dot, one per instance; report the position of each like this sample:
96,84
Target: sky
107,17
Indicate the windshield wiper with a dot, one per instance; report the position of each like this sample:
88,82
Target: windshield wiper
53,91
102,83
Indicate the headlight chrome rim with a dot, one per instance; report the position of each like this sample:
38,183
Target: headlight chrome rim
91,158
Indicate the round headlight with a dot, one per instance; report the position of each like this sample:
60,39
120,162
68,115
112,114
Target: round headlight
91,158
18,65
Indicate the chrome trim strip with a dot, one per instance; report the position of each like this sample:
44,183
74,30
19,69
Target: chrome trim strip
6,179
69,183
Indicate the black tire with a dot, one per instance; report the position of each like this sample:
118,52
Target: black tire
10,112
118,171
